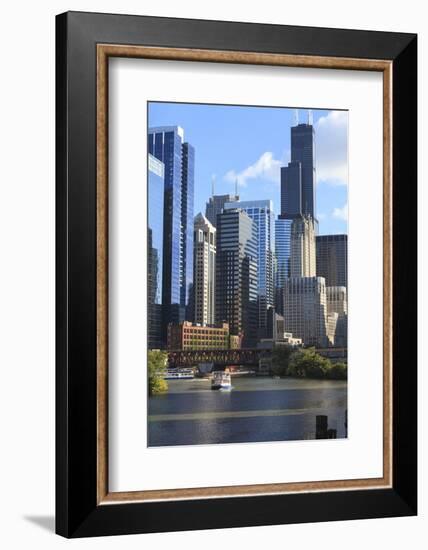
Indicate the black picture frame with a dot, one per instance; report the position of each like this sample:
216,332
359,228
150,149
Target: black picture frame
77,511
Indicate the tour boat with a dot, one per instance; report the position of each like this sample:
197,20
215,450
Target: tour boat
221,381
179,374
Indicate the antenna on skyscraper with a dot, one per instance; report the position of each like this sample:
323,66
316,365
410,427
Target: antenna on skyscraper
213,185
236,187
296,117
310,117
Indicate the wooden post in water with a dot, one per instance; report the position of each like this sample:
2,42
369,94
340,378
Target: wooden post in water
321,426
322,430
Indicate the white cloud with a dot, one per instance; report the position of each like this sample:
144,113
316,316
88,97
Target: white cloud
341,213
266,167
332,148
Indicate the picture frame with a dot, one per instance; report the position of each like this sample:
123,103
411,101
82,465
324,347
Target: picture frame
84,44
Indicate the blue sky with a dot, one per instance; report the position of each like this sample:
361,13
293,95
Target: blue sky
250,144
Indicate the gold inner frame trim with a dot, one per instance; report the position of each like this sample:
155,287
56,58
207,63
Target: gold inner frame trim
104,51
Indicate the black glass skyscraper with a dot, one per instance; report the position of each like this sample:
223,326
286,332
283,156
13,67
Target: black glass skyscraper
303,151
236,274
291,190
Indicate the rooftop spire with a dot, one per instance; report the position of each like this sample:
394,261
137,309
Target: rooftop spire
296,117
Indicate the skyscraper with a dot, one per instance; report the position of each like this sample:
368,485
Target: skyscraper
332,259
305,310
282,257
236,274
303,151
215,206
204,271
291,189
303,256
187,200
337,303
282,249
261,212
297,225
154,251
166,143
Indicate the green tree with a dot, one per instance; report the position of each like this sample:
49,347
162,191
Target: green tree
338,371
280,360
307,363
156,367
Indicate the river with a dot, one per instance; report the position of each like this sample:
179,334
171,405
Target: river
257,409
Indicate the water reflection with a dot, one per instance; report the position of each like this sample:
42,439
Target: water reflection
258,409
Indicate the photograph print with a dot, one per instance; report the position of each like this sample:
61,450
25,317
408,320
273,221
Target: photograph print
247,250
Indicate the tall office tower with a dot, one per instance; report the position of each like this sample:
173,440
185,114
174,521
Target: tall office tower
236,274
204,271
154,251
291,189
276,325
337,303
282,256
305,310
261,212
332,259
215,206
303,151
187,201
302,255
166,143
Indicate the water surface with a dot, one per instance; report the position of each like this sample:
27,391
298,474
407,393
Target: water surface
256,410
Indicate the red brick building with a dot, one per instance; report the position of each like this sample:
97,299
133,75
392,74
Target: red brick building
185,335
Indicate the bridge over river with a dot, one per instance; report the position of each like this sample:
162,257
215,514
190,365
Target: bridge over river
247,357
221,357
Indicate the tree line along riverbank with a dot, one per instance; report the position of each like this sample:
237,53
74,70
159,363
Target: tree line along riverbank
286,362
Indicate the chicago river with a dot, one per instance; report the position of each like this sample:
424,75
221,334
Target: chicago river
257,409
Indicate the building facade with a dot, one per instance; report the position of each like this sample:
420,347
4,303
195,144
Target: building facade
189,336
282,257
291,189
262,215
215,206
236,274
204,271
305,310
332,259
337,303
302,244
303,151
166,143
332,319
187,202
155,201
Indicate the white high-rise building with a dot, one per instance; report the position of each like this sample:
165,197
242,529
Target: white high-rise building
332,320
204,271
303,249
305,310
337,303
336,300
